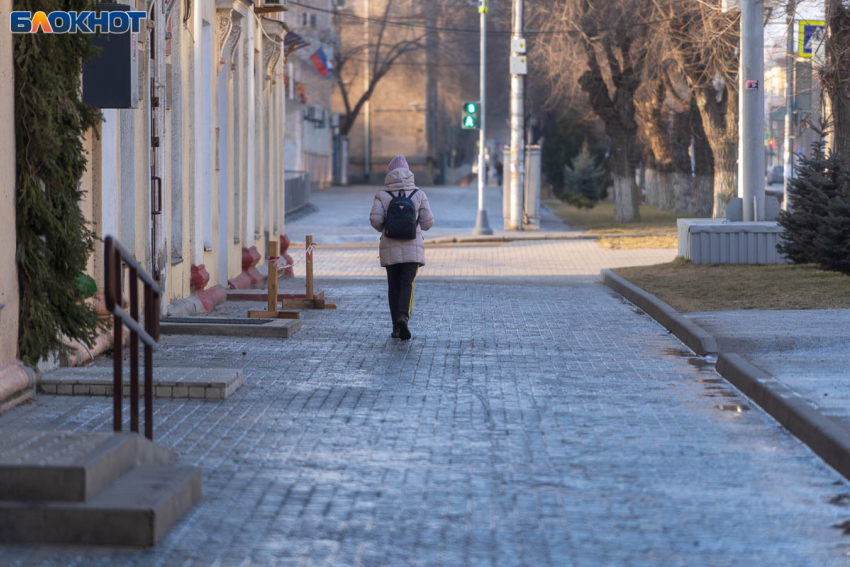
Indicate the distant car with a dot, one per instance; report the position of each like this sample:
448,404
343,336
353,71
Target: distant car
776,175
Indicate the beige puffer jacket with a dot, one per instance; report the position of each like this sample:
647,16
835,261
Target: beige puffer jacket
395,251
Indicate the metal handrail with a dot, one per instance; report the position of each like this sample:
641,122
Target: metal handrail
115,259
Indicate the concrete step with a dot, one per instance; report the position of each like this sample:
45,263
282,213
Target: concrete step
70,466
168,382
234,327
135,510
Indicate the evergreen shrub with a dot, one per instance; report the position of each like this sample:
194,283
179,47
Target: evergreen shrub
817,228
54,240
583,180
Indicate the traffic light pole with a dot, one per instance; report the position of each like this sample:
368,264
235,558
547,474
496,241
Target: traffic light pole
517,131
482,224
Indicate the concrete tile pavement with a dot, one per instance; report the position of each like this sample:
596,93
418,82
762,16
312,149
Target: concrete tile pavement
552,258
530,422
343,214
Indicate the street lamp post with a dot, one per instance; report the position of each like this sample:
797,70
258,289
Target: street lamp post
482,225
751,126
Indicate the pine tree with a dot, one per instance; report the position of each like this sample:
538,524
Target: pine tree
582,180
832,244
817,229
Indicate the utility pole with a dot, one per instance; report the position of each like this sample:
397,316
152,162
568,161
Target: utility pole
787,146
482,225
367,130
431,93
751,73
517,120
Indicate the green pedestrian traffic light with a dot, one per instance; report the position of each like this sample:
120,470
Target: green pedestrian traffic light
470,116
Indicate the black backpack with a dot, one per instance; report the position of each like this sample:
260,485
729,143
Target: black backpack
401,217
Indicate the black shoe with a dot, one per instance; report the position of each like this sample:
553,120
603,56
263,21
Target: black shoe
403,331
395,331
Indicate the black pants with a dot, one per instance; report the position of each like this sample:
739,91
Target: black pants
400,280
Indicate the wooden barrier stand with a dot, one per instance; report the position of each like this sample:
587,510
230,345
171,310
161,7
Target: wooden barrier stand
272,312
309,300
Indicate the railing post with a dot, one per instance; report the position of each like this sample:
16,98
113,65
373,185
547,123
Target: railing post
151,318
115,256
309,267
112,294
134,352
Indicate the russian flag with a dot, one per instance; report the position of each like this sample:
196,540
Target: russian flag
320,60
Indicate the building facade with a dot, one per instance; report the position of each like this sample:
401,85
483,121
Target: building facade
192,180
310,83
13,378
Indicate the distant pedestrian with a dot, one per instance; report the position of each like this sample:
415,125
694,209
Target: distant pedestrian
499,171
400,213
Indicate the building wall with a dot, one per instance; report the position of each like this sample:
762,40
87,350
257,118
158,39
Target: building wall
220,82
309,144
8,275
398,105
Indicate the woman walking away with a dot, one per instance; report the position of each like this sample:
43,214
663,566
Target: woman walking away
400,213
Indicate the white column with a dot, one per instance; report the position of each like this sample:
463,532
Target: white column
197,129
250,102
110,177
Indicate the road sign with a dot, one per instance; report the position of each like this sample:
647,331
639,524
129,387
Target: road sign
483,6
811,34
469,120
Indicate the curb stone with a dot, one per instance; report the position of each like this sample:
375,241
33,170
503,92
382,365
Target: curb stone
827,437
685,330
533,237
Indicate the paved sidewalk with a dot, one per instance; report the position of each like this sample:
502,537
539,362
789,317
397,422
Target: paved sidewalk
343,214
539,422
524,260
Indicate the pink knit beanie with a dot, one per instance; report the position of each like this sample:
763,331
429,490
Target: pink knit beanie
398,162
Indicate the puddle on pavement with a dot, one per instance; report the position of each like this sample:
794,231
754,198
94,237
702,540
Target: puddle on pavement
735,408
676,352
716,387
729,395
700,363
843,526
840,500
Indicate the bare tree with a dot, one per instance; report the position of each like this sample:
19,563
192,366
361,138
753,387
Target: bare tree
833,75
669,124
611,41
704,40
387,44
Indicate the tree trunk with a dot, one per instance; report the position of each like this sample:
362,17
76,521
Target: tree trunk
681,179
666,192
625,186
725,187
703,166
650,181
834,75
720,124
654,131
